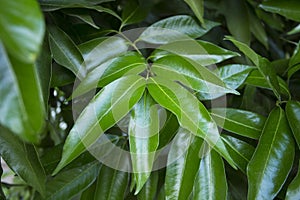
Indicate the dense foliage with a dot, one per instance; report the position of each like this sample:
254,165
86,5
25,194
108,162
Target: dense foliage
140,99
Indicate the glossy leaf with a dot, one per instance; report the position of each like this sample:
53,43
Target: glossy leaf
89,193
288,8
49,5
273,158
293,191
143,139
22,32
262,64
82,15
65,52
202,52
23,159
149,190
293,115
241,122
21,103
183,164
190,112
69,183
175,28
111,104
134,12
294,30
197,7
168,131
210,182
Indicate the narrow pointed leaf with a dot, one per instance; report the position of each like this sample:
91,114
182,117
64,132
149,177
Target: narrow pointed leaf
241,122
111,104
293,191
273,158
82,15
22,32
143,139
183,164
150,188
293,115
198,9
190,112
210,182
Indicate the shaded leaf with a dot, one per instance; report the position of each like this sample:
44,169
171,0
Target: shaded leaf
2,196
293,115
148,192
257,28
198,9
293,191
134,12
51,5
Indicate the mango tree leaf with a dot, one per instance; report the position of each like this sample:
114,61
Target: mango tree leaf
175,28
71,182
21,103
241,122
293,191
134,12
65,52
183,164
294,63
202,52
23,159
289,8
148,192
143,139
272,159
130,63
168,131
61,76
51,5
257,28
22,32
198,9
190,112
240,151
293,115
89,193
262,64
234,75
82,15
210,182
111,104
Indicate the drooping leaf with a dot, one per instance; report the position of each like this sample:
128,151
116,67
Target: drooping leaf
293,191
111,104
288,8
71,182
241,122
143,139
183,164
23,159
149,190
175,28
190,112
210,182
21,102
22,30
293,115
198,9
50,5
272,159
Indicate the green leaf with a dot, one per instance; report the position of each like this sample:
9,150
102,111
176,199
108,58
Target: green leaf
175,28
23,159
2,196
51,5
134,12
257,28
182,166
61,76
234,75
202,52
111,104
262,64
89,193
287,8
295,30
210,182
148,192
21,103
168,131
293,115
190,112
192,75
130,63
69,183
82,15
65,52
241,122
22,32
198,8
111,184
143,139
293,191
240,151
272,159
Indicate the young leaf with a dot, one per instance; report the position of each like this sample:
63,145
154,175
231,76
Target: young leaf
293,191
241,122
272,159
210,182
23,159
198,9
111,104
22,32
190,112
143,139
148,192
293,115
183,164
